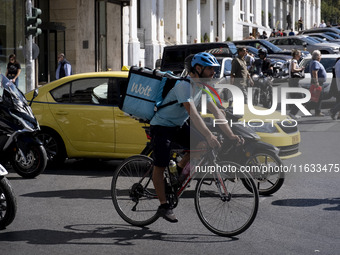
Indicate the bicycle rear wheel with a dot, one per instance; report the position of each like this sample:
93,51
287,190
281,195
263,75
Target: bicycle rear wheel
133,193
267,174
222,202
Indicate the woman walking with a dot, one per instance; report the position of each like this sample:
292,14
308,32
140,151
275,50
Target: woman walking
13,70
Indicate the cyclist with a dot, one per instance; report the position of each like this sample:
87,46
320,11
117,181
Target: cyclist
263,64
170,125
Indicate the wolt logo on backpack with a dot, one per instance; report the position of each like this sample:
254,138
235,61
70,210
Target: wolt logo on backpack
146,91
141,90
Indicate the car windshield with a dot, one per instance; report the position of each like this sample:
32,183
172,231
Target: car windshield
310,40
334,35
317,39
271,46
328,63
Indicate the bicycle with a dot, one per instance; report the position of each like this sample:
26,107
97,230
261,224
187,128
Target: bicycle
223,203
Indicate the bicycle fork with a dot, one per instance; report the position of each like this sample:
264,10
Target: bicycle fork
222,189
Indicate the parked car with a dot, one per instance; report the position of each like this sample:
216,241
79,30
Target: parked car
270,47
320,30
79,118
174,56
328,61
325,37
302,42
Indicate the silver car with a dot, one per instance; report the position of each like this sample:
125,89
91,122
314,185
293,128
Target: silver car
302,42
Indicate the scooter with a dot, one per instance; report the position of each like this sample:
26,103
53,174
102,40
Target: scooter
258,158
8,204
19,144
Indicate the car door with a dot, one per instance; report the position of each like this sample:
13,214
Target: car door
130,137
85,116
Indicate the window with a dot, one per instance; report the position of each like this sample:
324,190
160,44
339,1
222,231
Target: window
97,91
242,9
251,11
296,42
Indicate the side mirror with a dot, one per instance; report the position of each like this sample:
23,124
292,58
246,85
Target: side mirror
35,94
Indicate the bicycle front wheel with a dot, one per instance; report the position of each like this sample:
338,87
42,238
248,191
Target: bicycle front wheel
222,202
133,194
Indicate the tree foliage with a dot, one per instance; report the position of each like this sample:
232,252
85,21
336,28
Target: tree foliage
330,11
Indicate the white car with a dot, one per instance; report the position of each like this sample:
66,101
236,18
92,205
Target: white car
328,61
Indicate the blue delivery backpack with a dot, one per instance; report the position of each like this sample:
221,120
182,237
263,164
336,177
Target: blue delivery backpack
146,90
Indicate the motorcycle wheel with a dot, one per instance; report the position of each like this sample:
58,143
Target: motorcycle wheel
34,164
268,182
268,98
256,97
8,204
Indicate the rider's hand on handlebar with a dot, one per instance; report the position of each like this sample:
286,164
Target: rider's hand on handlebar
238,139
213,142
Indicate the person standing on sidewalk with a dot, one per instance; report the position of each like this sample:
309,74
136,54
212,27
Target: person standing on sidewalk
318,75
294,82
335,88
239,72
64,67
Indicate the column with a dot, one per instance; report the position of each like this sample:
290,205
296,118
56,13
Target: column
280,16
318,11
221,20
160,26
194,20
266,16
183,21
299,11
133,45
292,14
149,22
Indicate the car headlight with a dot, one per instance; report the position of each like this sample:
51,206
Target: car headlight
255,77
263,127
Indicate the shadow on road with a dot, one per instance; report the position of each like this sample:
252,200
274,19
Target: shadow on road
106,234
308,202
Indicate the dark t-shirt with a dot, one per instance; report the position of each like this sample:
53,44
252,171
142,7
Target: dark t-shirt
13,69
263,65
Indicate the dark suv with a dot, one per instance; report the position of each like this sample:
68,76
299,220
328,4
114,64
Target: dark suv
174,56
271,48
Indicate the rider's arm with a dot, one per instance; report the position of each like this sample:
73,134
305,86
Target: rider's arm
219,115
199,124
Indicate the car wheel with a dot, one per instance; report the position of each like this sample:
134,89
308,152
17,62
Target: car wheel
54,146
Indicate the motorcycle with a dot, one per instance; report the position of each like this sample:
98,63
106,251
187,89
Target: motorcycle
263,89
8,204
19,144
258,158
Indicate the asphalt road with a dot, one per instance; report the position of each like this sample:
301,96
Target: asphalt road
69,211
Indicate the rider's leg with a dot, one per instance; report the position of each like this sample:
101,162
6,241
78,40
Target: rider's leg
158,182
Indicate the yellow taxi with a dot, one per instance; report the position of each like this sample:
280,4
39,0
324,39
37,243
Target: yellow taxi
80,118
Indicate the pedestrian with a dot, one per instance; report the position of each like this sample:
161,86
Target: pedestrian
250,60
13,70
322,24
291,33
264,35
294,82
300,24
250,37
318,77
239,73
279,33
64,67
273,33
335,89
289,21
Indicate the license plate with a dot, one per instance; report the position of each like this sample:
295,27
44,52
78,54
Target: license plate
296,139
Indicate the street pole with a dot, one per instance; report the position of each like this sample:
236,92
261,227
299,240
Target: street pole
30,77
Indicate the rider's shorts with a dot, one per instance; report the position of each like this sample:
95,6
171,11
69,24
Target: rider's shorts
162,138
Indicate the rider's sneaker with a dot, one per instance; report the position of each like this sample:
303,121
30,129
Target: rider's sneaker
166,212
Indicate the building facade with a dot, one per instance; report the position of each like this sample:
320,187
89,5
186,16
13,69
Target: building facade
99,35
